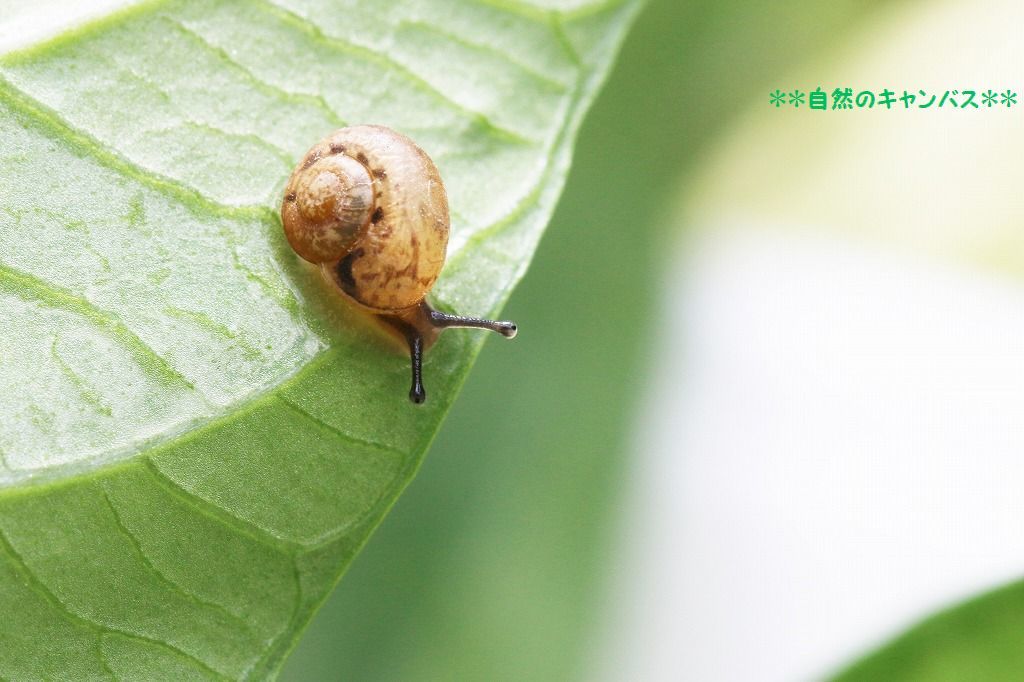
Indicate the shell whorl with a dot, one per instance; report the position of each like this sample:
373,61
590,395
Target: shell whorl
328,204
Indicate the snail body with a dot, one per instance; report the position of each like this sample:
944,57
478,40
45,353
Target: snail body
368,206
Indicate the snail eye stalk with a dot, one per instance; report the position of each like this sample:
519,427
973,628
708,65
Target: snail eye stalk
417,394
446,321
423,324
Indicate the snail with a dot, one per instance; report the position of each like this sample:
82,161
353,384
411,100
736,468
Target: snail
368,206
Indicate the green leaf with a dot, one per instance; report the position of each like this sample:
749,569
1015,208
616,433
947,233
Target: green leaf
196,437
982,639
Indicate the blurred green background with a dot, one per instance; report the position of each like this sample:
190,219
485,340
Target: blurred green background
492,564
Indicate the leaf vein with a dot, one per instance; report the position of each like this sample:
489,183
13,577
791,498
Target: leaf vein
220,515
36,584
517,8
282,295
89,395
164,580
317,101
33,288
371,55
338,432
293,621
508,58
87,144
285,157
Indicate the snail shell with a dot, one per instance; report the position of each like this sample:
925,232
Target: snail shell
368,205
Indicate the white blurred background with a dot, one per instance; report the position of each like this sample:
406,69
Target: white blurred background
831,452
831,449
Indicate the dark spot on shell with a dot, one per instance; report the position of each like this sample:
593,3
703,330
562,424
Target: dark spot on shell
337,149
344,270
290,196
377,215
379,173
361,158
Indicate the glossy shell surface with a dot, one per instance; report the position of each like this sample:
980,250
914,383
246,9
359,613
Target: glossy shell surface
368,205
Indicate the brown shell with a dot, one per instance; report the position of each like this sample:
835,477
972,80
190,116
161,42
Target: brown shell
369,206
